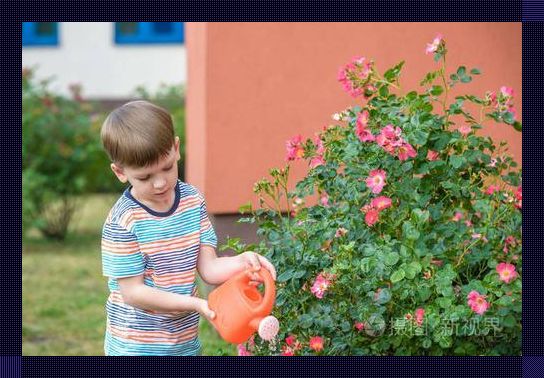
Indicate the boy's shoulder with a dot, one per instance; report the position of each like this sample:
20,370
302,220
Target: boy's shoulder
121,210
189,190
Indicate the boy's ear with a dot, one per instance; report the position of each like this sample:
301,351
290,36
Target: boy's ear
119,173
176,146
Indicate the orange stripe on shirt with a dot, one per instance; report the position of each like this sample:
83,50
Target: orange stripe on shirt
177,244
154,336
180,279
121,248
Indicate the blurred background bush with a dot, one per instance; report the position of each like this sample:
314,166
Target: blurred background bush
58,142
62,153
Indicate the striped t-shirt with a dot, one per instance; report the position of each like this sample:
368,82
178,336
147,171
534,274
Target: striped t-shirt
164,248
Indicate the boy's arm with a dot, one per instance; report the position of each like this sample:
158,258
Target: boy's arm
137,294
216,270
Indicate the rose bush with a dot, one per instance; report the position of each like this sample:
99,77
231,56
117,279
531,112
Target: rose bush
414,246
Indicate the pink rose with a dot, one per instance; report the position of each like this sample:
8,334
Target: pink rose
371,217
433,46
507,272
376,180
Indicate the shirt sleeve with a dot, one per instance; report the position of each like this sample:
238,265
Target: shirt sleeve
121,255
207,233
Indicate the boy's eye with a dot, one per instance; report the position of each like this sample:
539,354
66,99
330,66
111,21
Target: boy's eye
148,176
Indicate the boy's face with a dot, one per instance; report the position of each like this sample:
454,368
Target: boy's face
153,185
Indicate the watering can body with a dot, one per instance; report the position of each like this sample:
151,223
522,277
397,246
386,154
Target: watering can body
239,307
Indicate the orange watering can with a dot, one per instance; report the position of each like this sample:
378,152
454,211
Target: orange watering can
240,309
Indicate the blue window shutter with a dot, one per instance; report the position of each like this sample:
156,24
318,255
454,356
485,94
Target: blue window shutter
149,33
40,34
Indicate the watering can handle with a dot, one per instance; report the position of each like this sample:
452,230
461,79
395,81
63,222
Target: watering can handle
269,289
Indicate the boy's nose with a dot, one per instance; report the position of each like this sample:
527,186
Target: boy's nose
157,184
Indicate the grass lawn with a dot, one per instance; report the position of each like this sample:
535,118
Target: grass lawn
64,292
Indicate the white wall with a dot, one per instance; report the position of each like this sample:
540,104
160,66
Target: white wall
87,54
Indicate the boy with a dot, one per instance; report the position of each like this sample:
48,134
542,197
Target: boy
155,238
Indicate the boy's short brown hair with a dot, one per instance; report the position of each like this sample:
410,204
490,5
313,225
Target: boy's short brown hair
137,134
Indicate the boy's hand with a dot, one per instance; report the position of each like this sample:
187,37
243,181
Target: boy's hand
253,261
204,310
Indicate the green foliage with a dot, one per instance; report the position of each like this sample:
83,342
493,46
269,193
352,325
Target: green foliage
398,285
58,141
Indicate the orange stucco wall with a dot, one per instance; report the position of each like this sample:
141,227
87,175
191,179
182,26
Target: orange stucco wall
252,86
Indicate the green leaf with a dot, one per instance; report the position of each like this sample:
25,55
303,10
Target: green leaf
305,320
376,325
459,350
509,321
446,291
391,258
346,327
456,161
455,107
427,107
424,293
517,125
466,79
445,341
280,299
287,275
398,275
234,244
505,300
246,220
508,118
442,141
420,216
369,250
511,178
483,206
475,71
411,96
392,73
436,90
409,231
420,137
407,166
444,302
461,71
299,273
383,296
245,208
472,98
368,264
412,269
429,78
